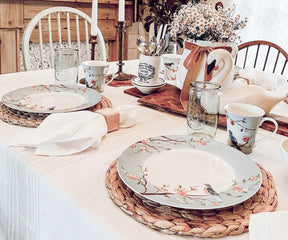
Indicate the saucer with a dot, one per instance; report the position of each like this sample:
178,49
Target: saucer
139,82
147,89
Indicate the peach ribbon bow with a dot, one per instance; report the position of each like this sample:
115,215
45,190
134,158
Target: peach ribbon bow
193,64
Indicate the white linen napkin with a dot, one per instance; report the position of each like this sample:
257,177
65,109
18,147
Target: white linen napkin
266,80
64,133
268,226
128,115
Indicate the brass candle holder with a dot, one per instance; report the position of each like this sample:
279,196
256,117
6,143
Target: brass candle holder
120,75
93,41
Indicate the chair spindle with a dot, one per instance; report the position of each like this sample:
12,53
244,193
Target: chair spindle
59,29
41,43
50,41
68,30
267,55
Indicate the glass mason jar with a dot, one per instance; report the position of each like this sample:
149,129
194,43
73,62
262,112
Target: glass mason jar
203,109
66,61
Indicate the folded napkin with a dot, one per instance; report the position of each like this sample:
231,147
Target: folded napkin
128,115
64,133
268,226
267,80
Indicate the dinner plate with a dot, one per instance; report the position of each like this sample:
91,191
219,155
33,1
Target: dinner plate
183,172
51,98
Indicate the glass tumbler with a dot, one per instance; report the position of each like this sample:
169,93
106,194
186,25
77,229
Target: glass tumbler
66,61
203,109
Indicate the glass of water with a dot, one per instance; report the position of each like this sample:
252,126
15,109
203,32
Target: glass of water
66,61
203,109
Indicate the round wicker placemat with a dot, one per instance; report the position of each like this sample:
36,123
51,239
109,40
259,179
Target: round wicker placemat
27,119
209,223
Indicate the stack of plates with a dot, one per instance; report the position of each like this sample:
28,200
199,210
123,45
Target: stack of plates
182,172
46,99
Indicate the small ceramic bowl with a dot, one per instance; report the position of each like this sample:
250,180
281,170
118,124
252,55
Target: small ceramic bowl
148,89
284,151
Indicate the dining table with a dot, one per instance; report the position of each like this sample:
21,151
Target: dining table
65,197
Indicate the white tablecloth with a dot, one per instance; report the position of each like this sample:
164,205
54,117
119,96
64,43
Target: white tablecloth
65,197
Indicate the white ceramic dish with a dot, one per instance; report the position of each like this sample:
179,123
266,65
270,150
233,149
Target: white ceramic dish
284,151
182,172
51,98
147,89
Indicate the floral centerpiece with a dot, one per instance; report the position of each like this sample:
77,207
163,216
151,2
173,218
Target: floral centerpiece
207,22
215,27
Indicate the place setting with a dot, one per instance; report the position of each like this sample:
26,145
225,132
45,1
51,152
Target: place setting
79,114
29,106
209,184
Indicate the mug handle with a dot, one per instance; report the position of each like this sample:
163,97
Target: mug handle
112,77
270,135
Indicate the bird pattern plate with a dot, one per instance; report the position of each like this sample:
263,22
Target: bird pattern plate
51,98
184,172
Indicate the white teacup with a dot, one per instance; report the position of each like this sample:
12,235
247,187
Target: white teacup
171,62
243,121
95,73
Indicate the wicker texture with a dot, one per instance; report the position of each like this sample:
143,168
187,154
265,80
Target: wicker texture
209,223
33,120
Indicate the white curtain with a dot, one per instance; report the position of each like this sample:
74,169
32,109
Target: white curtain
267,20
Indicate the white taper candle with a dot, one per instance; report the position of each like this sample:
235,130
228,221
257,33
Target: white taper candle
94,17
121,13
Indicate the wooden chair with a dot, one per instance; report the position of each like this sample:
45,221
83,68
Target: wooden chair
262,55
52,33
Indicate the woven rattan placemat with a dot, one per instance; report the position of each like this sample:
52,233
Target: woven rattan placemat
27,119
209,223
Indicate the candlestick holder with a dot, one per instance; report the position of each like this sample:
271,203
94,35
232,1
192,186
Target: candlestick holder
93,41
120,75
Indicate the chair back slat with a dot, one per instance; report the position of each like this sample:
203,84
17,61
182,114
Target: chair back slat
68,30
267,55
87,39
236,58
276,61
262,55
50,40
41,43
284,66
59,29
256,55
246,54
46,40
78,32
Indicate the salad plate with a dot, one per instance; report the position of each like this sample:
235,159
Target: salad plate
51,98
188,173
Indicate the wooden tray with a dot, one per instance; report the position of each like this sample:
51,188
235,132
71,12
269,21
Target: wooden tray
167,99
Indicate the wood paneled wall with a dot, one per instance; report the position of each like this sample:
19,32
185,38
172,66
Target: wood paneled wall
15,15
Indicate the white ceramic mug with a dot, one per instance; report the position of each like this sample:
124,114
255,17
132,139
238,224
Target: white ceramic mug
95,73
171,63
148,69
243,121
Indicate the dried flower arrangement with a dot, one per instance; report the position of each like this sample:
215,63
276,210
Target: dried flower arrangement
202,21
